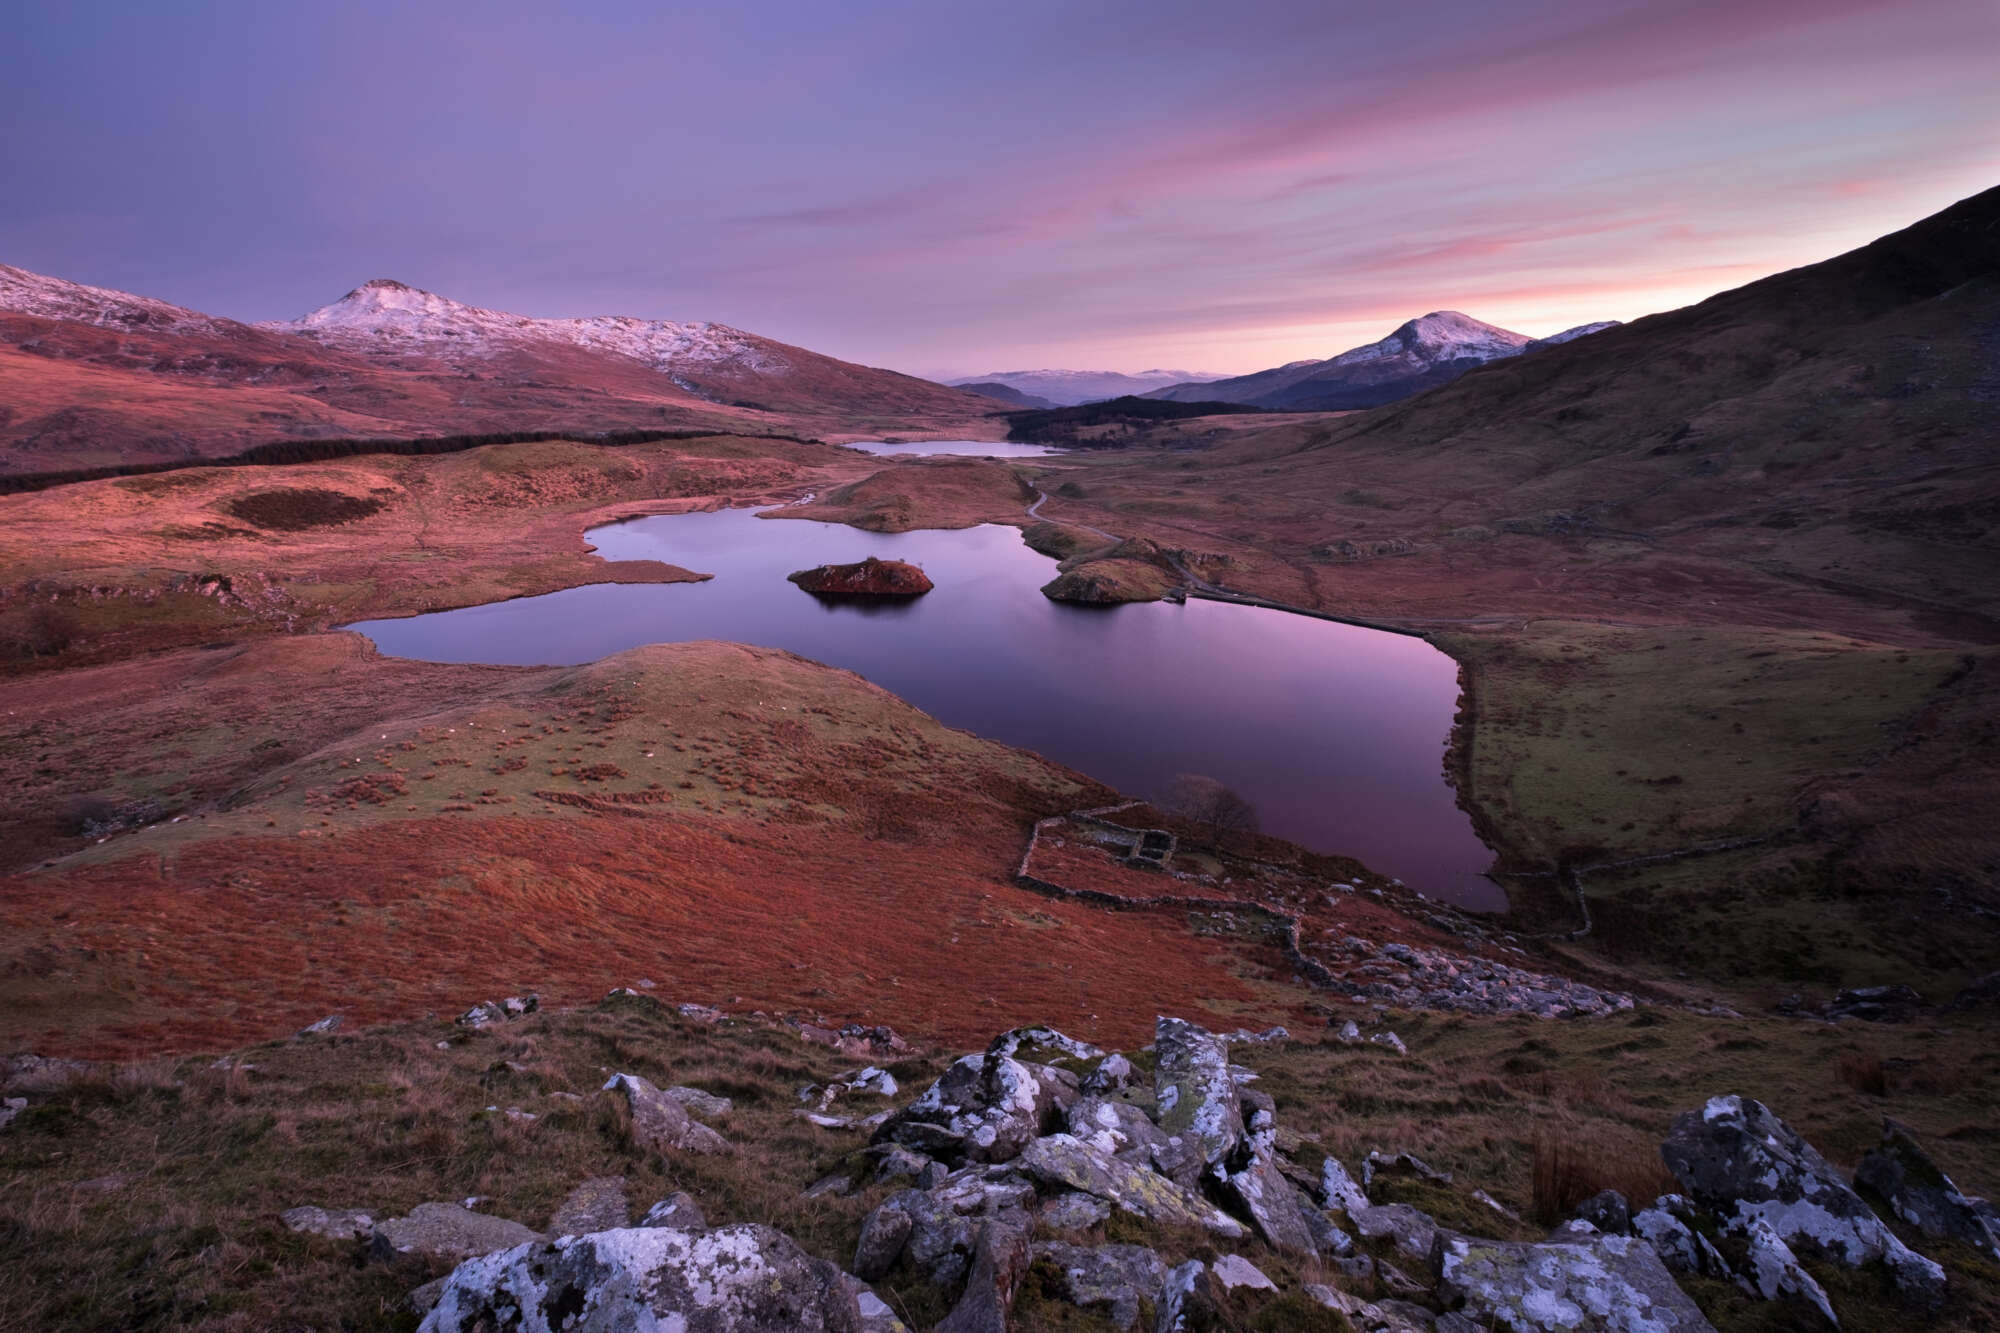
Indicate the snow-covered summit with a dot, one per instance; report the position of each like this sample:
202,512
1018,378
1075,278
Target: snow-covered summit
26,293
384,311
1442,335
1571,335
1069,387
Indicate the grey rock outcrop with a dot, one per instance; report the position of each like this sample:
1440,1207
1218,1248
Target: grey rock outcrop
446,1231
1115,1278
1197,1096
1774,1272
943,1223
700,1102
1681,1248
985,1108
1607,1211
1904,1175
1597,1284
743,1279
1742,1163
1066,1162
661,1124
487,1013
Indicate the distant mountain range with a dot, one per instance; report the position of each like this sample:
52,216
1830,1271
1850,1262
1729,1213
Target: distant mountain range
1006,393
1421,354
92,377
1066,388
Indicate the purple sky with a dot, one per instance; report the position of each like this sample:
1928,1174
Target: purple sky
950,188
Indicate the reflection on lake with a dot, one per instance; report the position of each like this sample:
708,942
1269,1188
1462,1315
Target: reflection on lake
1334,733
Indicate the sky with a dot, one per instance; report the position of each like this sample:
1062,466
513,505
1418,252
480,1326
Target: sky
950,188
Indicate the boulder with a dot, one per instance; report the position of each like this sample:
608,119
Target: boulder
1741,1163
1189,1300
1000,1258
446,1231
324,1027
742,1279
698,1102
1388,1317
1409,1229
338,1223
1197,1096
1115,1128
1066,1162
678,1211
1269,1201
869,578
1339,1190
1233,1271
1876,1004
884,1233
1115,1278
595,1205
1073,1212
1402,1163
661,1124
985,1108
1113,1074
1611,1283
1607,1211
1774,1272
1906,1178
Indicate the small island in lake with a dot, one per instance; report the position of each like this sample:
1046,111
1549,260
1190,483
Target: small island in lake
867,578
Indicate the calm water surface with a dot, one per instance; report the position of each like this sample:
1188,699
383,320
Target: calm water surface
1334,733
970,448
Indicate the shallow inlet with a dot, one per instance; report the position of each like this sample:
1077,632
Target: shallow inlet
1335,733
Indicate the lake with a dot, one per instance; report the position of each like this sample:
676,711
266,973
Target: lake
1334,733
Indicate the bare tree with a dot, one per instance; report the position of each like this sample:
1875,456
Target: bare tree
1207,801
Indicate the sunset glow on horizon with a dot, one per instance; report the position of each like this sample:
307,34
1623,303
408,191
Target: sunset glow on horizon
951,190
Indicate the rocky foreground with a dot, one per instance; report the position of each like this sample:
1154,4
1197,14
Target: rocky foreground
1157,1190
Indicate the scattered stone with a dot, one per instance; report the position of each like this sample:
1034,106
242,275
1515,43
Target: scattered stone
1388,1317
1113,1074
1065,1161
1267,1037
1741,1162
884,1234
662,1125
895,1162
700,1013
337,1223
10,1108
1119,1278
1350,1033
1410,1230
1920,1193
331,1023
1876,1004
595,1205
489,1012
1611,1283
1483,1197
1607,1211
1390,1040
1233,1271
1986,990
445,1231
742,1279
856,1040
1775,1272
837,1185
30,1071
1402,1163
702,1103
678,1211
1338,1190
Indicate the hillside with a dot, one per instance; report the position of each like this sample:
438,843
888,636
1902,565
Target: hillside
1067,388
91,377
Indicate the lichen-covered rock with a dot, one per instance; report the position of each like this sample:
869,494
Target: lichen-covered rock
595,1205
1409,1229
1115,1128
1197,1097
985,1108
1368,1317
1073,1212
700,1102
1742,1163
1774,1272
1338,1189
1607,1211
661,1124
1920,1193
1117,1278
1065,1161
868,578
339,1223
1613,1284
1188,1300
1000,1258
1269,1201
1233,1271
884,1233
743,1279
1681,1248
446,1231
1113,1074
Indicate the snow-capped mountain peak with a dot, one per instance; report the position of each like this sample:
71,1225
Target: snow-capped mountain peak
383,310
1442,335
26,293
